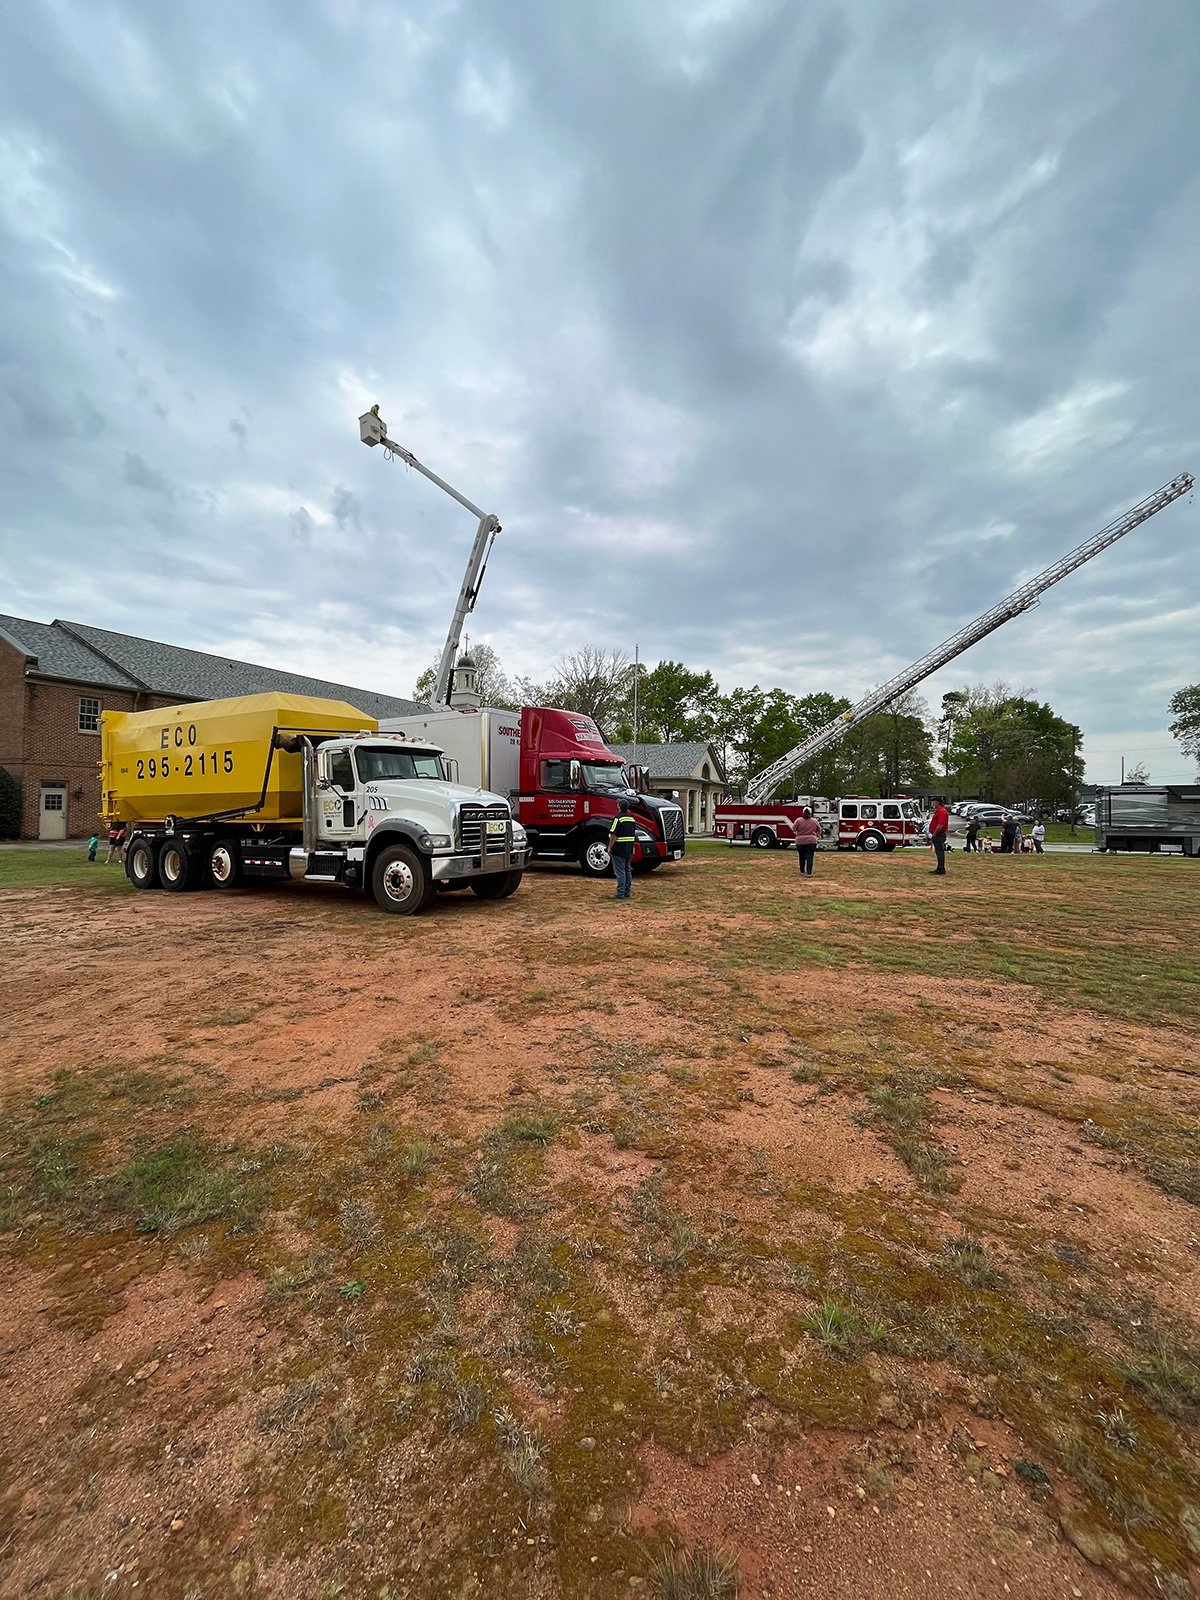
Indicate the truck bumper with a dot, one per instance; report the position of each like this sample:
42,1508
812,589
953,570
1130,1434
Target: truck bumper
446,868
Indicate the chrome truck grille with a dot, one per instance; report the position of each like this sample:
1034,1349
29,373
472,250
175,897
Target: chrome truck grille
472,829
672,823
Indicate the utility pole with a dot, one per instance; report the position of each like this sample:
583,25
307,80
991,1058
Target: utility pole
372,430
1074,766
1122,769
636,675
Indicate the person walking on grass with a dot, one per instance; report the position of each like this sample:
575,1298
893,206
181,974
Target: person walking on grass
939,827
622,837
808,835
1039,836
116,842
93,846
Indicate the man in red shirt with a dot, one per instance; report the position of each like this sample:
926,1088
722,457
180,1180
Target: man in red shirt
939,827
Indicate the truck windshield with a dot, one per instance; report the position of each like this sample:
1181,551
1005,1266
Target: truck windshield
374,765
600,775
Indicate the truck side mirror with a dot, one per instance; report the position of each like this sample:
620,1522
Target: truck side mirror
573,775
450,768
323,779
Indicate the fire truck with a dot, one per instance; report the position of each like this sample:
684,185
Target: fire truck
854,822
864,822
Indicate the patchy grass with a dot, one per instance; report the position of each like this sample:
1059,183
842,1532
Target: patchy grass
441,1296
29,867
842,1331
696,1575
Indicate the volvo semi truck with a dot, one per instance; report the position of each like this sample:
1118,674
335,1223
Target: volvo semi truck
556,769
219,793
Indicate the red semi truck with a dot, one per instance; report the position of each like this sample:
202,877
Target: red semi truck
561,778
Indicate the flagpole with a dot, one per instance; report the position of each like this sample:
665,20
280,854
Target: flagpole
636,675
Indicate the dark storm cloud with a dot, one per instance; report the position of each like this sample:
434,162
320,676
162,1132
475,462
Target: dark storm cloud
782,339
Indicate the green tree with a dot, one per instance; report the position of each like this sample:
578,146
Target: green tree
10,806
1011,748
883,753
490,680
1184,706
675,703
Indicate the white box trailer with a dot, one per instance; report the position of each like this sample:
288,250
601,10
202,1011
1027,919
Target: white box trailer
484,745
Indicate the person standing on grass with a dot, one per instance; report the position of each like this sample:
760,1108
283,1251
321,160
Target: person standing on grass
808,836
972,843
622,837
1008,835
1039,836
93,846
116,842
939,827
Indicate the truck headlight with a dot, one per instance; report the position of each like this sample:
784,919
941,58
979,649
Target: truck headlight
518,834
434,841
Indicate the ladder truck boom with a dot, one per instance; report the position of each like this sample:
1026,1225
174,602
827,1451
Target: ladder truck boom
372,430
1022,599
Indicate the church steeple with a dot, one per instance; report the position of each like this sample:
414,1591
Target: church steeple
465,694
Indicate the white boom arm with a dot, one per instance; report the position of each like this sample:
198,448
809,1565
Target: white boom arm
1022,599
372,430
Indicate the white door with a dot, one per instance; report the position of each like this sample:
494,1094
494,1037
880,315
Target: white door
52,820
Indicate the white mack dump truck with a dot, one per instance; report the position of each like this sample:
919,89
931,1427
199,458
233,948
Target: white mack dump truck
222,792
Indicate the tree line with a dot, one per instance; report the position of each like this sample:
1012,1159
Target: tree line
991,742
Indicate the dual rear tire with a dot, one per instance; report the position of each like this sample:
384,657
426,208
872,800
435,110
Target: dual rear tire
177,866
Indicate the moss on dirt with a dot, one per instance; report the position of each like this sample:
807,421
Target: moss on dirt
476,1350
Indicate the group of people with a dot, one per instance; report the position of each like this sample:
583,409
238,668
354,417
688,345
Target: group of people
117,836
1012,840
807,831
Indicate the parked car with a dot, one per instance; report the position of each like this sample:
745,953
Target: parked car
992,816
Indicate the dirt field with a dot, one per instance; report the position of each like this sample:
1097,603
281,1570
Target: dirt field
830,1239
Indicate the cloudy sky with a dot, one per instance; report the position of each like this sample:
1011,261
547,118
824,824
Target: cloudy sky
783,339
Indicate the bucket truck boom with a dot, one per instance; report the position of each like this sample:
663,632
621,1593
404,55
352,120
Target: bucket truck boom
372,430
1022,599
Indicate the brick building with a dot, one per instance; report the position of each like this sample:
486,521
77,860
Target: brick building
57,677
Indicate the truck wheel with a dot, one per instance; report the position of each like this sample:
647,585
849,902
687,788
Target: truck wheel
870,840
763,839
594,857
177,867
141,863
400,882
225,864
497,885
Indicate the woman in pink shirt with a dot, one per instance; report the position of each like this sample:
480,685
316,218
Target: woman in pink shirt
808,834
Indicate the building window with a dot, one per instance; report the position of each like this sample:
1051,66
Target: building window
53,800
89,714
704,772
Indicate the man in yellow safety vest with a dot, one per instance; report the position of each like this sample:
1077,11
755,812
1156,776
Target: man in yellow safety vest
622,837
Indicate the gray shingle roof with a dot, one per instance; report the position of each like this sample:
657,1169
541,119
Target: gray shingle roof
675,760
80,653
60,655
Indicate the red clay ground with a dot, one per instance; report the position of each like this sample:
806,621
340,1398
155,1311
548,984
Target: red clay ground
848,1229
